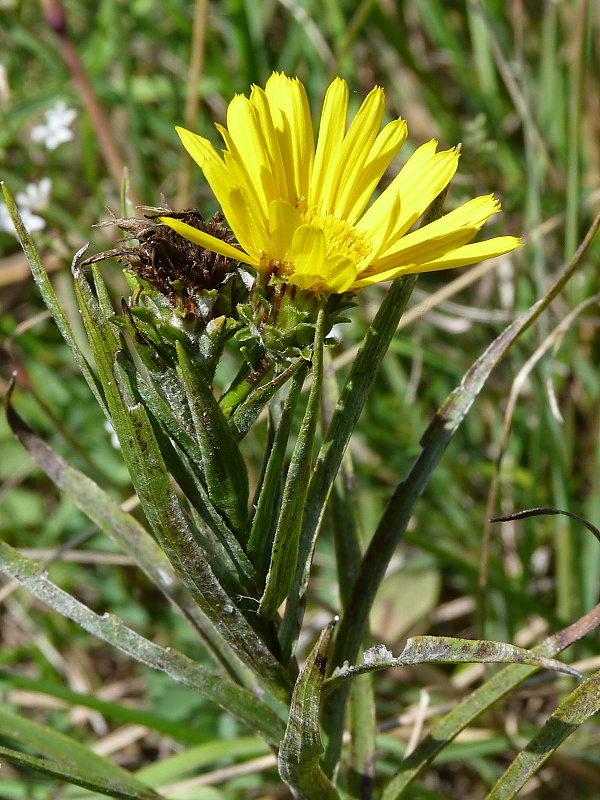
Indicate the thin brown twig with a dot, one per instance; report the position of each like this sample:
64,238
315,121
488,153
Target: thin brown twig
193,94
56,19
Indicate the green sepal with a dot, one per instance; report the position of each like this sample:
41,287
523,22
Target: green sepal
282,318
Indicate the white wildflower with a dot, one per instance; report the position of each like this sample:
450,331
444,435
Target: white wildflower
36,195
30,204
55,131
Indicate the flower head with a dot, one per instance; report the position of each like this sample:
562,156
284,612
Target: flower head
298,211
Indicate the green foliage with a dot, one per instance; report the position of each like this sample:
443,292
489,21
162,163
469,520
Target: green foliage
516,86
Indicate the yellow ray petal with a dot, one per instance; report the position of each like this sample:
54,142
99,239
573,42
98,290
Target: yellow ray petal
248,144
200,149
461,257
266,122
339,272
293,126
471,254
331,135
447,233
388,143
207,241
418,183
284,220
356,148
308,250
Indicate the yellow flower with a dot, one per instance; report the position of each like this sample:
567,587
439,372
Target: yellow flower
299,212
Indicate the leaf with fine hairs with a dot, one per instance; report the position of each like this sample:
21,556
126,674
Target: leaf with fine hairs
301,748
573,712
481,699
446,650
127,532
160,503
233,698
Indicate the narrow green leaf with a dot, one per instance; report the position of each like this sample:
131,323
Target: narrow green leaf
161,505
248,412
445,650
49,295
224,467
265,507
127,532
233,698
579,706
284,554
362,722
480,700
183,459
301,748
331,453
65,759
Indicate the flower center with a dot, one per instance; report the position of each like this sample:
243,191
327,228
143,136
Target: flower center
341,237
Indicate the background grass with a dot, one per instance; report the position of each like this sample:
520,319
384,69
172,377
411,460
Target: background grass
518,84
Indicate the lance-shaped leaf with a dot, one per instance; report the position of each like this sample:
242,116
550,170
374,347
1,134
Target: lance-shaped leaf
481,699
65,759
127,532
248,412
331,453
233,698
284,554
301,748
573,712
225,554
160,504
263,521
224,467
445,650
49,295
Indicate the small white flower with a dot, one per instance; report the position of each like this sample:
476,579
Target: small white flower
55,131
36,195
35,198
33,222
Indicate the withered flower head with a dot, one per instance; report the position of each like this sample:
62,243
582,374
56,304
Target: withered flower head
184,272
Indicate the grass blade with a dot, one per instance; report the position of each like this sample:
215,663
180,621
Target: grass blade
573,712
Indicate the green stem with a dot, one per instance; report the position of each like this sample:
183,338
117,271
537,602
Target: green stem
350,404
